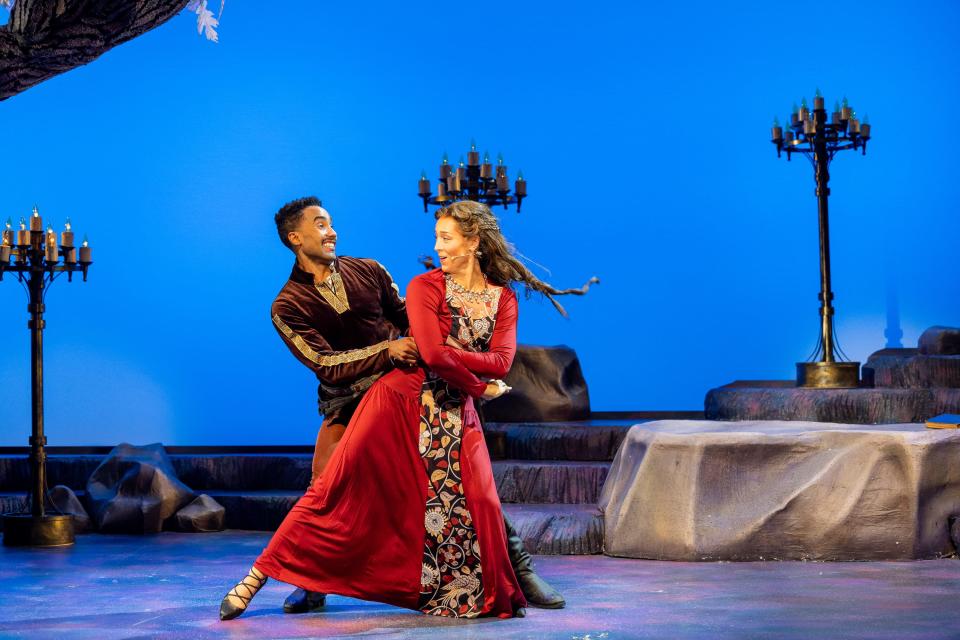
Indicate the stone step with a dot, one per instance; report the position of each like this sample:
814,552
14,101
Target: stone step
908,369
575,529
780,400
596,440
537,481
592,440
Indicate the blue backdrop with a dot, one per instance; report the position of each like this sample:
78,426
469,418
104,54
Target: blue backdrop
643,131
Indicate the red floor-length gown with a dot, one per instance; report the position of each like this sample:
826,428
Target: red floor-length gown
406,512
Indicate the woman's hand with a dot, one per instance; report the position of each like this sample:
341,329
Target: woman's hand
453,342
495,389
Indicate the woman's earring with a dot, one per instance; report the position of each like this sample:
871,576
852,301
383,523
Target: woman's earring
478,253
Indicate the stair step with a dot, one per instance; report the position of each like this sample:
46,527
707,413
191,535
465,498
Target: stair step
547,529
595,440
907,369
549,482
69,470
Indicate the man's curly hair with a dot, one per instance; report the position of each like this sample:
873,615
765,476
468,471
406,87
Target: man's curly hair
290,215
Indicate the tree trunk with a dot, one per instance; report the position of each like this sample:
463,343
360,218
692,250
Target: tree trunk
47,37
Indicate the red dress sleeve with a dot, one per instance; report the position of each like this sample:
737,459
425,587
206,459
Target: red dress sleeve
424,299
496,362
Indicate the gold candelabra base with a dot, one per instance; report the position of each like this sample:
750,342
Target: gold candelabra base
828,375
27,530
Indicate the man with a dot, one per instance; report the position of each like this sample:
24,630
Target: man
341,317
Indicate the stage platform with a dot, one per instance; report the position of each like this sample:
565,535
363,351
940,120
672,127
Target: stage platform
109,587
549,477
777,490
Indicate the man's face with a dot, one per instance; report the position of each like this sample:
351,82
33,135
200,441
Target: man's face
315,235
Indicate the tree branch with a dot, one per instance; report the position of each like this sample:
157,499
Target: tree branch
47,37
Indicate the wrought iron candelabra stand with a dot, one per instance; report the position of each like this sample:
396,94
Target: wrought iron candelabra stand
481,182
819,140
34,256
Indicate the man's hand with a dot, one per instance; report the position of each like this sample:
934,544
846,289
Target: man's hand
403,352
495,389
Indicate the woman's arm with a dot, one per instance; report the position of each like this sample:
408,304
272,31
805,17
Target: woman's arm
423,305
496,362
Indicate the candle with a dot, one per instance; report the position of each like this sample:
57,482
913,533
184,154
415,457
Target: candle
66,236
442,189
520,186
835,117
776,131
809,126
486,169
8,235
502,184
444,167
865,128
85,251
501,168
424,191
794,116
804,111
453,182
5,254
23,236
789,136
36,224
854,123
473,157
845,110
51,252
818,100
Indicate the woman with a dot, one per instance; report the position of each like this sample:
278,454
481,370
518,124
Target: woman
406,512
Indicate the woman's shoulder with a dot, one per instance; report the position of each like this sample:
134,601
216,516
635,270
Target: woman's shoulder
432,278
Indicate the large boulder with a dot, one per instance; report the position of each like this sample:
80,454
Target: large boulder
135,489
940,341
548,386
203,514
66,502
697,490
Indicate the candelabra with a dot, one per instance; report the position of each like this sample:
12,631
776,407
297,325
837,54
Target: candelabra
37,265
819,141
480,182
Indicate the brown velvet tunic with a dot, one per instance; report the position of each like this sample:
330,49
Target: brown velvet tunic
340,328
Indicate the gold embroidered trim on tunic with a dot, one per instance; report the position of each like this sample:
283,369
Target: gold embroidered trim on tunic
334,293
341,357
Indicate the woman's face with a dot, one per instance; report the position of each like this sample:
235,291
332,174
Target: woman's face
453,248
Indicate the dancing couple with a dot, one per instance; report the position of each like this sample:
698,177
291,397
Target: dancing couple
402,506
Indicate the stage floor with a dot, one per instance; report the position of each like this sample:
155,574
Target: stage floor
170,585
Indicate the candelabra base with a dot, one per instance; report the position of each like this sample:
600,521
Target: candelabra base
26,530
828,375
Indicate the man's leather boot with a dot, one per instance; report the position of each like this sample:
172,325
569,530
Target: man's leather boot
302,601
535,589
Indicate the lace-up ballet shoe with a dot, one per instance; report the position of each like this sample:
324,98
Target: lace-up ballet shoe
229,611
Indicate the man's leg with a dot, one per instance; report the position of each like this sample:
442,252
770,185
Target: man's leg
331,431
535,589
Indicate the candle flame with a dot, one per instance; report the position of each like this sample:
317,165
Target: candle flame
446,160
486,157
8,223
423,174
500,158
520,176
23,224
67,226
473,144
36,212
85,242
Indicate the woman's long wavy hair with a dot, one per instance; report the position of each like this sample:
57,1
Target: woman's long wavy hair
497,260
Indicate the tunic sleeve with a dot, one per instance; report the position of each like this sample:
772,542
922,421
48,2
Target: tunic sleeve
337,368
423,305
393,304
496,362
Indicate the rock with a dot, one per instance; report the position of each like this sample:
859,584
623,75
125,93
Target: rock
548,386
940,341
67,502
955,533
906,369
203,514
135,489
698,490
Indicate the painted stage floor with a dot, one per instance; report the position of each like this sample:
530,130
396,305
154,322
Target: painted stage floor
170,586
